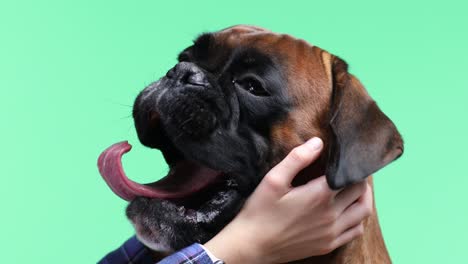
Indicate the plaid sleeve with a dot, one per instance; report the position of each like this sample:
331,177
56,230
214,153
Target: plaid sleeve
131,252
134,252
194,254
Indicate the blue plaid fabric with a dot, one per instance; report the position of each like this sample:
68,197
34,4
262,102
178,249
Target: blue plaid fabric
134,252
193,254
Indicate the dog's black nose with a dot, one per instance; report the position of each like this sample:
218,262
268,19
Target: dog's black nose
187,73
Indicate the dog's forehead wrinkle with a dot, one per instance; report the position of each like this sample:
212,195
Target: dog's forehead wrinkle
247,56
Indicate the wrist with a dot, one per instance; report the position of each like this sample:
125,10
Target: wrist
233,245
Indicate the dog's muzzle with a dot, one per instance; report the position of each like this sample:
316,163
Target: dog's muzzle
181,105
184,100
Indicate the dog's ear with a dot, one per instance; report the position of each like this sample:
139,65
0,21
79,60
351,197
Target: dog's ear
363,139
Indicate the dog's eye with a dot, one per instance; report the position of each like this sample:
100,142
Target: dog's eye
251,85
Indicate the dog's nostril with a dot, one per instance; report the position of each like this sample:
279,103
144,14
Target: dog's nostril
187,73
196,78
154,116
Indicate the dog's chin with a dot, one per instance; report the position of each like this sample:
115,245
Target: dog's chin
201,212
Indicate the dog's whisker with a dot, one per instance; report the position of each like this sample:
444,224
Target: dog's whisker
125,117
129,128
118,103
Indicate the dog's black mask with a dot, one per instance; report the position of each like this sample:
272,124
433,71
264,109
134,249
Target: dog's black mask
214,109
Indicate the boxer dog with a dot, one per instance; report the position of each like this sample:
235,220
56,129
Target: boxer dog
236,103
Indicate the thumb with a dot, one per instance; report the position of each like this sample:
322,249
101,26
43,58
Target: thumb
281,176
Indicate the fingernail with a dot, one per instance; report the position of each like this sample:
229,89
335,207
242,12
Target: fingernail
315,143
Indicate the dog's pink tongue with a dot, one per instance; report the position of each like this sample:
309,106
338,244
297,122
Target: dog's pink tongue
187,179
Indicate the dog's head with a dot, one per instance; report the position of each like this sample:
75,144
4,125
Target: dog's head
234,105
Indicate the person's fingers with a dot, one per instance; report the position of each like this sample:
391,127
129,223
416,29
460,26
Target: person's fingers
281,176
348,195
315,189
348,236
357,212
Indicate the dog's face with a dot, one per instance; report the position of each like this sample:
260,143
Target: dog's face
234,105
215,107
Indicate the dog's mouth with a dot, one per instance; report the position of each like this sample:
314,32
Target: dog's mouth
184,179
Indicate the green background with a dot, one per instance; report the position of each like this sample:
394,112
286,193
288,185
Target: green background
70,70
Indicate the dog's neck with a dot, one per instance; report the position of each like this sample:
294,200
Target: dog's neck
368,249
314,170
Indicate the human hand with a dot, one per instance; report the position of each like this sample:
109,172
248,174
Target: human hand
280,223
